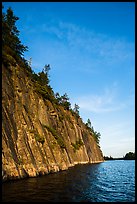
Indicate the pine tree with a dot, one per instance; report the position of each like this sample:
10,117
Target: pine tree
11,43
46,69
43,78
65,101
58,98
76,109
88,124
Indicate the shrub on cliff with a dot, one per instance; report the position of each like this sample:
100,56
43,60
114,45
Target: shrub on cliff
77,144
56,136
63,100
39,138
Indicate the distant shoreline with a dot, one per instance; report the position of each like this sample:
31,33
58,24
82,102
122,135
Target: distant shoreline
128,156
118,159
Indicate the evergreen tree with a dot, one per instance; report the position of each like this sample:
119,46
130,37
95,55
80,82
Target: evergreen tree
89,123
58,98
11,43
46,69
76,109
65,101
129,156
43,78
97,136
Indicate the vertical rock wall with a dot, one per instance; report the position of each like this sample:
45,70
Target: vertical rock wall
39,137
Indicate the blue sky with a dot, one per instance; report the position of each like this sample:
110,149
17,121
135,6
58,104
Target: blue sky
90,47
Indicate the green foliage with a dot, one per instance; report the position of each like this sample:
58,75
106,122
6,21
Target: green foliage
58,98
39,138
77,145
130,156
56,136
76,109
108,158
24,63
8,59
12,52
96,135
43,78
10,34
88,124
72,112
42,90
45,90
42,86
12,49
52,130
63,100
75,112
46,69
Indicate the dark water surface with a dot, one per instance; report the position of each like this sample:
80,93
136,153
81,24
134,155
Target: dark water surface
110,181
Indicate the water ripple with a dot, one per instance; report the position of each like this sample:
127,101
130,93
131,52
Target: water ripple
111,181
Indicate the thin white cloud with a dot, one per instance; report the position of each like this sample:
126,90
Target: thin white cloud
98,103
105,48
76,46
107,101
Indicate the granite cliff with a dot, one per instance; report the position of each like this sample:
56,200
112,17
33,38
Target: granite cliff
40,132
39,136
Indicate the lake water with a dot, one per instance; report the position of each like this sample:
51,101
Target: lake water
110,181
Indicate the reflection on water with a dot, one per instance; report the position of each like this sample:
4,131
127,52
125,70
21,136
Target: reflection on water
112,181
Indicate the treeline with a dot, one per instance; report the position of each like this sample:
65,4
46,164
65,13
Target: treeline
128,156
12,54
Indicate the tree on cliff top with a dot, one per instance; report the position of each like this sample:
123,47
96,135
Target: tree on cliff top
95,134
76,109
11,43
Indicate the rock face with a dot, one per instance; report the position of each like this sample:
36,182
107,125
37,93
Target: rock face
39,137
